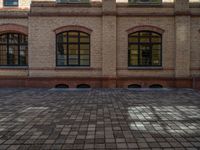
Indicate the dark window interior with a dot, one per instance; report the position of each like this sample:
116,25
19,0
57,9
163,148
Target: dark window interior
10,3
155,86
61,86
83,86
13,49
134,86
144,49
73,49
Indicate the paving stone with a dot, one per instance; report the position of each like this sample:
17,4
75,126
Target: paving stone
124,119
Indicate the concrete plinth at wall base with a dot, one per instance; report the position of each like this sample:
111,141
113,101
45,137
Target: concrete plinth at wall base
99,82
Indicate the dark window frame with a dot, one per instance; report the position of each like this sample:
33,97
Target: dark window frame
149,2
139,50
73,2
18,44
67,43
5,4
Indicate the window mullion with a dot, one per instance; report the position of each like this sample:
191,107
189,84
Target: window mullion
79,49
19,50
150,48
139,49
7,42
67,49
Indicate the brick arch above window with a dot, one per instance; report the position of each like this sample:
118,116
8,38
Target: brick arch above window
13,28
73,27
145,27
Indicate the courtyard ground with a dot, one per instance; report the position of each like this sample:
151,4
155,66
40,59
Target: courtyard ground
99,119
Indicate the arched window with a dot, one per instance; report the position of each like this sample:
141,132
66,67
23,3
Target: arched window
13,49
144,49
73,49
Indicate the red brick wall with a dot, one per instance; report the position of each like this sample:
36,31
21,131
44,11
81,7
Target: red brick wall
97,82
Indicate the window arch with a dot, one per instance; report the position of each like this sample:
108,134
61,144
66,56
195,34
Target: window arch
13,49
73,48
144,48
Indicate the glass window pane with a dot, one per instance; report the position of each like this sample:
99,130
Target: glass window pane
156,46
64,37
10,2
3,55
133,46
73,52
84,52
3,39
84,46
84,40
71,33
134,52
84,62
156,57
147,48
134,61
17,53
13,55
73,61
73,56
76,52
73,39
145,57
73,47
62,49
60,57
145,34
62,62
83,34
23,39
85,57
134,57
155,34
23,55
133,39
134,34
59,38
155,39
13,38
145,39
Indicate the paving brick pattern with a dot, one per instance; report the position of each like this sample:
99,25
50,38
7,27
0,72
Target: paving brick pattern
99,119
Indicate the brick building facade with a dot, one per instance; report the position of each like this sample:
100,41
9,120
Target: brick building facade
109,43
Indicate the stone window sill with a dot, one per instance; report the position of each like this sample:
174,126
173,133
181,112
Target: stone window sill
145,68
74,68
14,67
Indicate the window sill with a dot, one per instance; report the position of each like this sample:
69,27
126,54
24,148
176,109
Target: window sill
74,68
145,68
145,4
73,4
10,6
14,67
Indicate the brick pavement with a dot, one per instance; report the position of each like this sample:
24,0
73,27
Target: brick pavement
99,119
